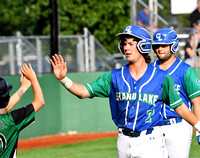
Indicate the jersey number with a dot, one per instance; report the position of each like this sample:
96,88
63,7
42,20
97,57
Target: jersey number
2,142
150,113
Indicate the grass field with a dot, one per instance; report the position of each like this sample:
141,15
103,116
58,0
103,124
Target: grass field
102,148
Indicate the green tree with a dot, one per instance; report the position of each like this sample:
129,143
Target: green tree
103,18
30,17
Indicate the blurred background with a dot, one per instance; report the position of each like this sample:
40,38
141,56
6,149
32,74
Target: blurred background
84,32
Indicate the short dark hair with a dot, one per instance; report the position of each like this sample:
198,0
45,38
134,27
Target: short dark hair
146,57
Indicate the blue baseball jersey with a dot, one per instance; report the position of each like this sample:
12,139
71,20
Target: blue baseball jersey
136,104
187,85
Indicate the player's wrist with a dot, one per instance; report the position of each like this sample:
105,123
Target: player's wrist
197,126
66,82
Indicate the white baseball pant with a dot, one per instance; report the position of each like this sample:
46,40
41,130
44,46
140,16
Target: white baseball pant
143,146
178,137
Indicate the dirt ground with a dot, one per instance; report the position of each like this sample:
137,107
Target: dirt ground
61,139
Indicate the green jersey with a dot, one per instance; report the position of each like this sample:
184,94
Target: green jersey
10,126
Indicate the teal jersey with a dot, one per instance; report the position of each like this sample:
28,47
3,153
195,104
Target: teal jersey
10,126
136,104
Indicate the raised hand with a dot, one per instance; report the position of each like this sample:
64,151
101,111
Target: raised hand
28,72
25,82
59,66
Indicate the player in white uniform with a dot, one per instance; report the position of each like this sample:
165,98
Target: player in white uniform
136,92
178,133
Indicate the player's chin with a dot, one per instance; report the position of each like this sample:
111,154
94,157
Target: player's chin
161,56
129,58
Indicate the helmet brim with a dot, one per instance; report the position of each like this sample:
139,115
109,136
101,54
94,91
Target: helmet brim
121,35
165,43
9,86
4,97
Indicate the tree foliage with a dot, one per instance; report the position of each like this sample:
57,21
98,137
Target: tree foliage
103,18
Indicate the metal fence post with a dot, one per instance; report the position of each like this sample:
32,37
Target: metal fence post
86,49
39,55
92,53
11,57
80,55
19,53
133,11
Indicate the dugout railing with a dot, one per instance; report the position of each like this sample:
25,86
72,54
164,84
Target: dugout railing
83,53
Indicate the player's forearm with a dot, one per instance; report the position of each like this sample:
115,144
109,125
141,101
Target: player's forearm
38,100
196,106
196,111
186,114
77,89
15,98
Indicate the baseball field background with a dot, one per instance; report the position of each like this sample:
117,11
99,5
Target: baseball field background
64,113
102,148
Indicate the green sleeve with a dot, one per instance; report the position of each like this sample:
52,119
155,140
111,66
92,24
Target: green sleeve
169,94
101,86
192,83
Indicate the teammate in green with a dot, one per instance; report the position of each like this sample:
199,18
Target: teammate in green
11,123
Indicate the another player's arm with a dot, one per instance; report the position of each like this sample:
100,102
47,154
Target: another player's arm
79,90
196,111
60,71
186,114
100,87
192,86
38,100
196,106
15,98
173,99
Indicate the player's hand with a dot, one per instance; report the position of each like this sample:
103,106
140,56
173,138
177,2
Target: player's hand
25,82
59,66
198,137
28,72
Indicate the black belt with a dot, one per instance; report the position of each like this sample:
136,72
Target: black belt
172,121
135,133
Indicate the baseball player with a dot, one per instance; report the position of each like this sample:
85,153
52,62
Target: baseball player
165,44
136,92
11,123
